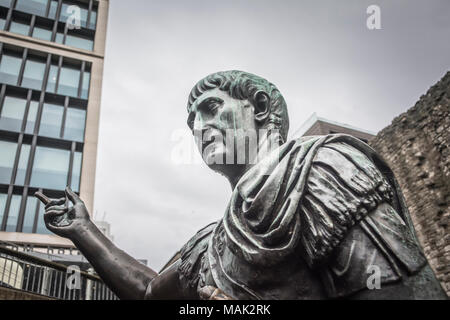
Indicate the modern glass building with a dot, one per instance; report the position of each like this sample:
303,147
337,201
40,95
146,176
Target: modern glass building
51,66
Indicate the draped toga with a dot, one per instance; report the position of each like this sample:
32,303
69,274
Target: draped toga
320,207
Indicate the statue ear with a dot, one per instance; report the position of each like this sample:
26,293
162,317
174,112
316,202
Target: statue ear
262,106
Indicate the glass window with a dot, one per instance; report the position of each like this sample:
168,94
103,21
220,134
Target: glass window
41,33
20,28
83,17
67,14
74,126
13,214
76,171
32,6
41,228
52,75
5,3
53,9
22,165
93,19
9,69
30,213
69,80
79,42
12,113
7,157
85,87
3,198
51,120
59,38
50,168
31,118
64,15
33,74
2,23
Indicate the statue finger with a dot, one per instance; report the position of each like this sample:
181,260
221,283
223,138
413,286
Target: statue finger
55,202
56,208
42,197
54,228
48,215
51,227
72,196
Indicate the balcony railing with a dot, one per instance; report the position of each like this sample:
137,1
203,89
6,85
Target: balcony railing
25,272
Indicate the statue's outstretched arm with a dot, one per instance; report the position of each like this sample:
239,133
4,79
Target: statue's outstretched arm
126,276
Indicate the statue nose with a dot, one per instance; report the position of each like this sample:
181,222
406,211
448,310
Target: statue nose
200,134
205,121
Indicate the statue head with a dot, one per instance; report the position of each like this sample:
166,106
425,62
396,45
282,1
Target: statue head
226,108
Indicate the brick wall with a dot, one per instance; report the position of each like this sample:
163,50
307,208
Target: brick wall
416,146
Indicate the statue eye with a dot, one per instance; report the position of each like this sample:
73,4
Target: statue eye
209,106
213,106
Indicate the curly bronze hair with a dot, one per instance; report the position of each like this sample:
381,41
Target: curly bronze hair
243,85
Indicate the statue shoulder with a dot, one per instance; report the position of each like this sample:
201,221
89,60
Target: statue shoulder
343,185
193,262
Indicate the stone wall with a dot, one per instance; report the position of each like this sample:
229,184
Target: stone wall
416,146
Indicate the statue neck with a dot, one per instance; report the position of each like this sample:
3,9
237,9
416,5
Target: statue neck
265,146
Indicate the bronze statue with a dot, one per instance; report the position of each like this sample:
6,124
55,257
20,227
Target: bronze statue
320,217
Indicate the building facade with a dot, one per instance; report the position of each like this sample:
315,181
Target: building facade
316,126
51,66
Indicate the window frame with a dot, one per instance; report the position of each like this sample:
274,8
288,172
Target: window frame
36,99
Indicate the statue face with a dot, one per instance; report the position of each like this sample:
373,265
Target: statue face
220,124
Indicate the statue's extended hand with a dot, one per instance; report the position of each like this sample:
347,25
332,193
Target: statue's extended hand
61,219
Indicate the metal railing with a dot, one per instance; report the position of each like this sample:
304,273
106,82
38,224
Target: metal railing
25,272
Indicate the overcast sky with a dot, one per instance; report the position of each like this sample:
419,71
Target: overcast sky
320,54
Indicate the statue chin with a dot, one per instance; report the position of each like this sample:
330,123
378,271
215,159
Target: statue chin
214,155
